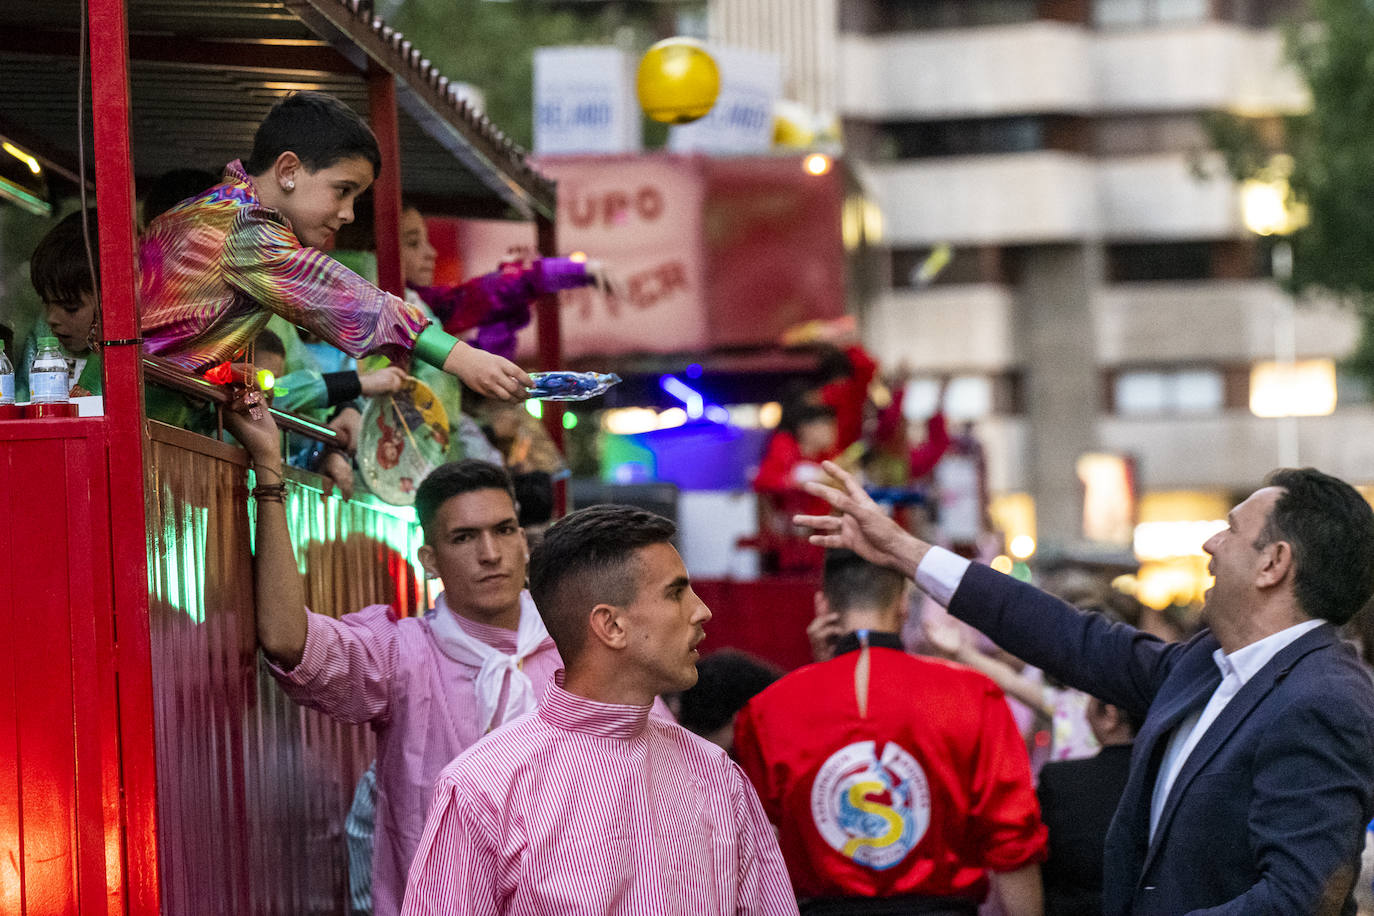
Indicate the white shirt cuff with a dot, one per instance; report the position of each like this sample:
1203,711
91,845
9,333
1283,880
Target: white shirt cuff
940,573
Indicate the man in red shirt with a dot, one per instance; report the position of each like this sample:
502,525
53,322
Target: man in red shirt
898,784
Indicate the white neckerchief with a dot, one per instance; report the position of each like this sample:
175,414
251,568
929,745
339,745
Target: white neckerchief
495,667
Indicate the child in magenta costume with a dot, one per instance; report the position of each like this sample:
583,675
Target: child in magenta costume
214,268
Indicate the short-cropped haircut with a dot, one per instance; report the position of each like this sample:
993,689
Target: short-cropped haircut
588,558
1331,529
851,582
453,479
58,268
318,128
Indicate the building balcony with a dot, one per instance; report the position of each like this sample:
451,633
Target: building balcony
944,329
1212,321
1027,68
1234,449
1196,67
1051,197
1025,198
1167,196
1048,67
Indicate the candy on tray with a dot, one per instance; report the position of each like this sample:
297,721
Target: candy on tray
570,386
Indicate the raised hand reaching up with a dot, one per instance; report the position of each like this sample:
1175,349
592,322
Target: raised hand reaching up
862,526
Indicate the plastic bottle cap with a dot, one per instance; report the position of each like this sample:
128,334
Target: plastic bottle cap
47,342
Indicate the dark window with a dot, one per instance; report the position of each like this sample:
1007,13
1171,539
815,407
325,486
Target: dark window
1144,134
875,17
1159,261
965,265
924,139
1261,13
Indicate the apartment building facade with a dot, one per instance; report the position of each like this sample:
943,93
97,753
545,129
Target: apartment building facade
1104,294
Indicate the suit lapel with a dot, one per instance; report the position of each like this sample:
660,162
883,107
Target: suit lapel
1130,828
1236,711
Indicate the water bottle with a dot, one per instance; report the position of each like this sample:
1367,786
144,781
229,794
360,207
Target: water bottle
49,378
6,377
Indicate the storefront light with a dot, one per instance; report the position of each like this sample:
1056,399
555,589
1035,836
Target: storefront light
770,415
629,421
1166,540
817,164
672,418
1306,388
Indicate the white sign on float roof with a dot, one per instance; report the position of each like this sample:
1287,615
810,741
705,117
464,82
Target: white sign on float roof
584,101
741,122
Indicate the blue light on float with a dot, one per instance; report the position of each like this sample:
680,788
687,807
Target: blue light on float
691,399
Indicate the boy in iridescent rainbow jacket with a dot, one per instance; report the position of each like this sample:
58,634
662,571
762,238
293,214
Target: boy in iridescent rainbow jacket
214,268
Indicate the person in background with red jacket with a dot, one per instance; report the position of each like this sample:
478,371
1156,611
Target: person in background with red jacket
898,784
805,437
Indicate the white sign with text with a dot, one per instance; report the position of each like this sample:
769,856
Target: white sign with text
741,123
584,101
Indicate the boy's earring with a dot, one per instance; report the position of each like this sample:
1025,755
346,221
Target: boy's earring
289,184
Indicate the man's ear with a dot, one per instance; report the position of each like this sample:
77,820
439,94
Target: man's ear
605,626
1278,561
822,604
426,555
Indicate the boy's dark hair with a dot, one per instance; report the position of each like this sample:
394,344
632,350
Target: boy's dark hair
726,681
318,128
588,558
58,268
1331,528
171,188
268,341
850,581
534,494
454,479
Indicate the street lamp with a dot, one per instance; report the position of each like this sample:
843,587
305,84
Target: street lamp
1268,209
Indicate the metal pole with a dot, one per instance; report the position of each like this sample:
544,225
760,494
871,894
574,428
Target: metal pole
125,439
1286,350
386,192
550,351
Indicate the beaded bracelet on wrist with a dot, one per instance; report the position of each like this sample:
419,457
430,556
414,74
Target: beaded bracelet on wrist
269,492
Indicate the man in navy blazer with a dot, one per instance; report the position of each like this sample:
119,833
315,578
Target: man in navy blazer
1252,778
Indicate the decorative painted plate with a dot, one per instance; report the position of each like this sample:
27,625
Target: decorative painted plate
404,437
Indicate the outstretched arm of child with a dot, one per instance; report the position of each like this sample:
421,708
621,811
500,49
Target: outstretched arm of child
487,373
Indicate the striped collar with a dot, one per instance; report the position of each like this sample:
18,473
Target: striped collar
571,712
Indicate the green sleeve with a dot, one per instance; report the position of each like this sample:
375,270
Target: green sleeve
433,345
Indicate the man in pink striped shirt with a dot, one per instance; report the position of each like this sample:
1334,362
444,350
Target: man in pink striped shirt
429,687
590,807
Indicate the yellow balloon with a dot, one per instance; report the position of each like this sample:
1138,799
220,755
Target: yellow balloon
678,81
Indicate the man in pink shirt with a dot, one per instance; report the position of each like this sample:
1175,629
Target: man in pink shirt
589,806
430,686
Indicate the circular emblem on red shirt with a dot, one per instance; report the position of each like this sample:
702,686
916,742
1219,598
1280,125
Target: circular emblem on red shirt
871,809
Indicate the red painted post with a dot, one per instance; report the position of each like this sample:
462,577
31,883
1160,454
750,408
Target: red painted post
550,351
386,192
125,441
